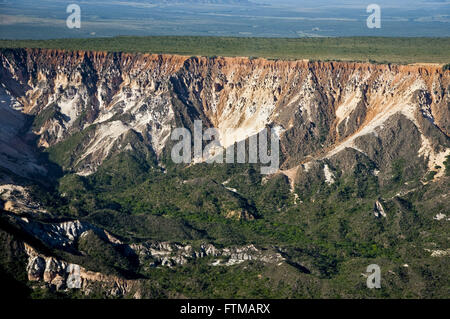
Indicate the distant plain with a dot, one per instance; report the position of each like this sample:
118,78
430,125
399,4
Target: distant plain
45,19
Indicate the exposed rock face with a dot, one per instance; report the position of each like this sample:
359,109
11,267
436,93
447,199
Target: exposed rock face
112,93
16,150
239,215
62,275
441,216
18,200
61,235
321,108
171,254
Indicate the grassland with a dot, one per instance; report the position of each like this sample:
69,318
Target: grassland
374,49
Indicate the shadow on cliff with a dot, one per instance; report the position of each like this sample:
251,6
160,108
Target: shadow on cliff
23,163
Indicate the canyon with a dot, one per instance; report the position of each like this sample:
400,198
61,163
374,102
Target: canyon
322,108
70,114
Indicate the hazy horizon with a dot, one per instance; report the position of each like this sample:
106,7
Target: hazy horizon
27,19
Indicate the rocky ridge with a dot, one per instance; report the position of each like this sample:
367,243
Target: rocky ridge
321,108
61,275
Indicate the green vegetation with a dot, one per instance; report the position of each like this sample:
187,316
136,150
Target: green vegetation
329,236
64,153
183,205
375,49
397,171
105,255
12,265
447,165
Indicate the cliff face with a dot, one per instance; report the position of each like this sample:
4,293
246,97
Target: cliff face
336,119
321,107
